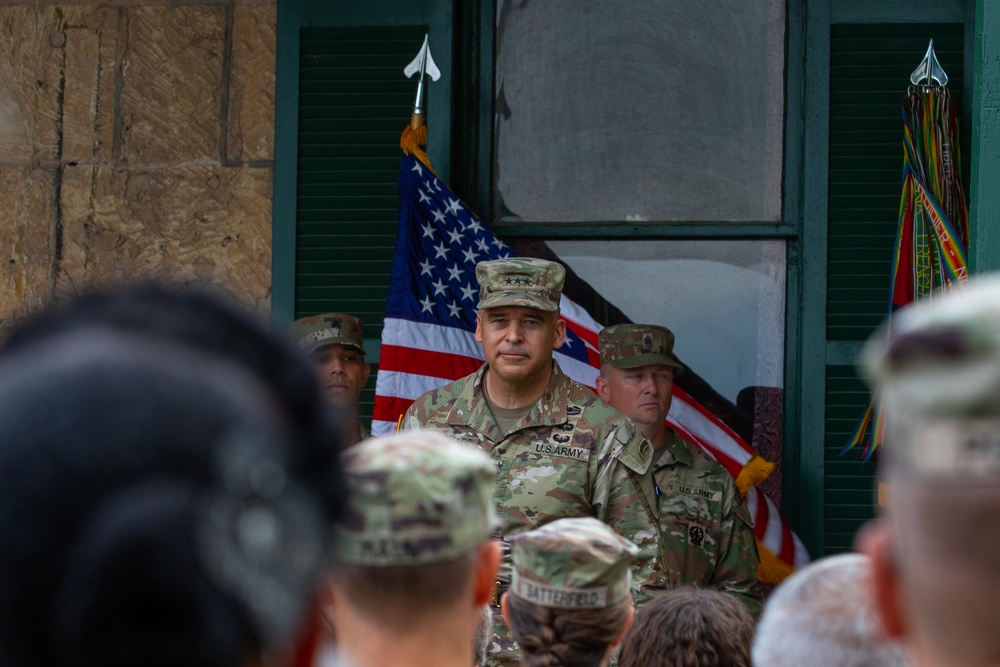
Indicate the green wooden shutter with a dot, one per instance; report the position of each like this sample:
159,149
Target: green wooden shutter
354,102
870,67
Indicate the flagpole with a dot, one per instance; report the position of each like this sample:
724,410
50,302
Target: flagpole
414,138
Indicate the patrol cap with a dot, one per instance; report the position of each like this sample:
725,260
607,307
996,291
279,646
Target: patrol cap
939,376
520,281
413,498
311,333
578,563
635,345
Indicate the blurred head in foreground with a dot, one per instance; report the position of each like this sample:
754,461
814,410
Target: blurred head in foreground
570,600
157,508
195,317
824,614
414,562
935,556
689,627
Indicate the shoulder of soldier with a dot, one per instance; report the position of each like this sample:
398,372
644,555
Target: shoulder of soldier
597,414
436,402
610,426
704,463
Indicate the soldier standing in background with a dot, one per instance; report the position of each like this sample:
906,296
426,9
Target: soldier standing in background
413,561
334,344
705,528
559,450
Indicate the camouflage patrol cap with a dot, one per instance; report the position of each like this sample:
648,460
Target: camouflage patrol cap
635,345
939,377
520,281
415,497
311,333
578,563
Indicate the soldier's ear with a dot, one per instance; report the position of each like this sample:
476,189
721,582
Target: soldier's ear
560,333
479,330
601,385
368,371
488,564
504,610
875,541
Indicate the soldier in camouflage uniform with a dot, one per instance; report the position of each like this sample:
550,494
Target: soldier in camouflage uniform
559,450
570,574
413,561
335,344
705,529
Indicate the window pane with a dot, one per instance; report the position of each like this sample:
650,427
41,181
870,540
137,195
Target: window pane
724,300
638,110
725,303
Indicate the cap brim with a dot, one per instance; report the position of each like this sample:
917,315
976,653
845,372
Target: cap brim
326,342
646,360
525,300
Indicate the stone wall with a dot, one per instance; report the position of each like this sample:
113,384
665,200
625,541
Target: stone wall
136,141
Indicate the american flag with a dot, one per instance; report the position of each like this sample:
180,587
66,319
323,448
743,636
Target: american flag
430,318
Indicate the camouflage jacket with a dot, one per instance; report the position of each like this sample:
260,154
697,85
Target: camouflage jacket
572,455
706,530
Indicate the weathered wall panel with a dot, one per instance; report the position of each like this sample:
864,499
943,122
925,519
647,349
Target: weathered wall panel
30,85
91,42
197,223
25,262
172,76
251,107
136,140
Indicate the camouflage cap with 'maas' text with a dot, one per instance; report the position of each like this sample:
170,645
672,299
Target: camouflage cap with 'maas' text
578,563
520,281
635,345
311,333
415,497
939,377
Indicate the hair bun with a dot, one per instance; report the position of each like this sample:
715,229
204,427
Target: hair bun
134,586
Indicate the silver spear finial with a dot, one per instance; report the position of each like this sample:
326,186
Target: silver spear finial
424,64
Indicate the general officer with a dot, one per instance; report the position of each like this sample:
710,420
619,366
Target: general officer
560,451
705,529
334,344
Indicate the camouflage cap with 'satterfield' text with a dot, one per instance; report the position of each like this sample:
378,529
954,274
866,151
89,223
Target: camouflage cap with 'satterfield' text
520,281
938,373
578,563
635,345
311,333
415,497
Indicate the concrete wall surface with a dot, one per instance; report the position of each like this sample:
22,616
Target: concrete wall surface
136,141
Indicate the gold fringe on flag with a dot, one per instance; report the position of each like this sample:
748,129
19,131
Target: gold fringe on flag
755,471
772,570
414,140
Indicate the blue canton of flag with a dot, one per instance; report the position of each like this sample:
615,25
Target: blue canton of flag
438,244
